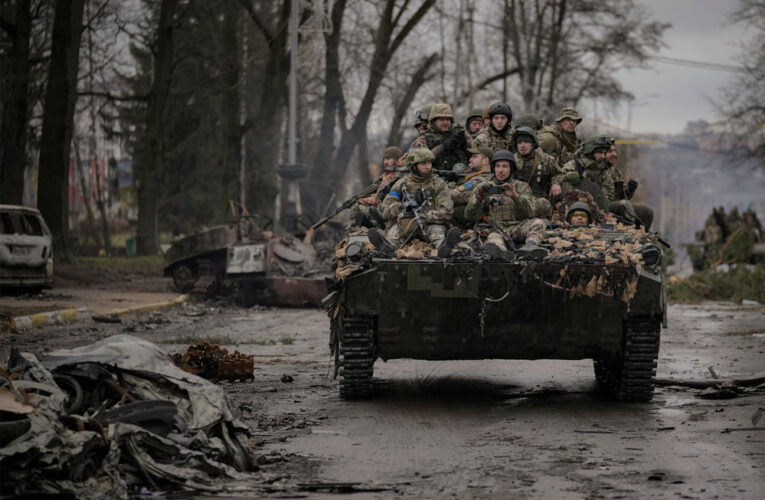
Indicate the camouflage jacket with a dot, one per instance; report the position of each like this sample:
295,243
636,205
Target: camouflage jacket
556,142
592,170
446,157
437,200
538,171
461,192
492,139
500,208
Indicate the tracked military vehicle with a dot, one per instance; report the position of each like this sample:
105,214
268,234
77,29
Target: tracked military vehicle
598,294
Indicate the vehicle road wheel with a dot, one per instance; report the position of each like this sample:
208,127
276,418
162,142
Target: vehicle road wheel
630,375
185,275
357,357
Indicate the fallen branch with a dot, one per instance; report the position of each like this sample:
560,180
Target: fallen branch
751,381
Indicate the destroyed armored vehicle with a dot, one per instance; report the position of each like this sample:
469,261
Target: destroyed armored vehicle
598,294
265,269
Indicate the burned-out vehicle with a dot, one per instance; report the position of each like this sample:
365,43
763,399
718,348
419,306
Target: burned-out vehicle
598,294
264,268
26,249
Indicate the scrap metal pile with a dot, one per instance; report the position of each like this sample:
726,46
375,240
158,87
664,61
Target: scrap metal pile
213,361
112,419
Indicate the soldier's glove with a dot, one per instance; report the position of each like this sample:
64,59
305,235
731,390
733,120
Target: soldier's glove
572,178
632,186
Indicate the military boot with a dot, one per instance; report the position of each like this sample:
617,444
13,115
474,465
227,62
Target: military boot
384,246
532,250
452,238
495,252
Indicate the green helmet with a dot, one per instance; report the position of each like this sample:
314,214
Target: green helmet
475,114
529,120
576,206
526,132
504,155
418,155
422,115
441,110
596,142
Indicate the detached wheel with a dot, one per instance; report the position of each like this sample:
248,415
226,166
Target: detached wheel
357,357
630,375
185,276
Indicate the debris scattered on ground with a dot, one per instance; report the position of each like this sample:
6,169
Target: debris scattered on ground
213,361
115,417
111,318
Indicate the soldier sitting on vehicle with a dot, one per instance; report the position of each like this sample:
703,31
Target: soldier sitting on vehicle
447,141
574,197
536,169
474,123
418,205
498,134
590,163
622,192
578,214
502,208
479,171
560,140
364,212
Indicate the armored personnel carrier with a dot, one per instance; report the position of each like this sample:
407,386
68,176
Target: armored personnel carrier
598,294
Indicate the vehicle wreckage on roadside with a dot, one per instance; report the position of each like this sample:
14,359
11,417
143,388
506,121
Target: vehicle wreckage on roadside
599,293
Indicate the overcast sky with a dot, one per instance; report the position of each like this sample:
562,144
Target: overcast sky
667,96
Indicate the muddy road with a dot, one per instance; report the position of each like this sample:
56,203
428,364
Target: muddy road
488,429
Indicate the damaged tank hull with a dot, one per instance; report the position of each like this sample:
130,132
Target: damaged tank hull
490,310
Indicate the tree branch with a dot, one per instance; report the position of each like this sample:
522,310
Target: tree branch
410,24
112,97
247,5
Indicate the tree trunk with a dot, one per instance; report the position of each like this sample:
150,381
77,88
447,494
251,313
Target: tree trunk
418,79
58,114
14,123
92,233
151,168
230,105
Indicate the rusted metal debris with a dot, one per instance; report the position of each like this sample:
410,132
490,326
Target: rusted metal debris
212,361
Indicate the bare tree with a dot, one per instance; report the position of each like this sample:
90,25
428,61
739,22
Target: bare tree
60,98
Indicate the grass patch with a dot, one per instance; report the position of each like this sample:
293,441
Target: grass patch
192,340
147,265
741,283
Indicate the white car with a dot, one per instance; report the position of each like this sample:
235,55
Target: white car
26,249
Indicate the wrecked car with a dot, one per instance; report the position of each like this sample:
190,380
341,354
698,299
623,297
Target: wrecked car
26,249
599,293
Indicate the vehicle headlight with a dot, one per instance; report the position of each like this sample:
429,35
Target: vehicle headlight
651,255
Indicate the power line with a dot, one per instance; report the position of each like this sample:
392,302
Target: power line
699,64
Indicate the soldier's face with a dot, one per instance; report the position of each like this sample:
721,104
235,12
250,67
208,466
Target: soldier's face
476,162
524,147
499,121
443,123
389,162
611,156
502,170
475,126
425,167
578,219
568,124
599,154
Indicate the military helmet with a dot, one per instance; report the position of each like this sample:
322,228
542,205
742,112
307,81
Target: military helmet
441,110
596,142
475,114
529,120
422,115
501,108
503,155
526,131
418,155
392,152
576,207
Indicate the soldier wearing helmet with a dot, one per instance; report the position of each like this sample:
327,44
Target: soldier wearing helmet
497,135
447,141
536,169
421,118
578,214
433,204
474,123
560,140
529,120
503,209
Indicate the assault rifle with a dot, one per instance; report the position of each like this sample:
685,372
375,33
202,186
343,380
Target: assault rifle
411,205
367,191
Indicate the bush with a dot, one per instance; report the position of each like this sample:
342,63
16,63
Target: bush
742,282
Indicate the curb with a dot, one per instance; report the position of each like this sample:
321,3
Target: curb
72,315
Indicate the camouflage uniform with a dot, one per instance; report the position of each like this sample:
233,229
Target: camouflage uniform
511,216
450,146
490,138
436,214
557,142
538,170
